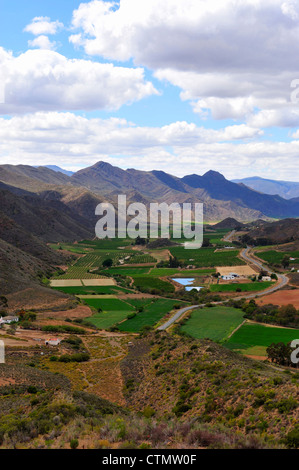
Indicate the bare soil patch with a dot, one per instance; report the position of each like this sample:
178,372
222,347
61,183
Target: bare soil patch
282,297
98,282
81,311
136,296
38,298
66,283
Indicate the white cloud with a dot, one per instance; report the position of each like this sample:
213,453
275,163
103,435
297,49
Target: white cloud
232,58
46,80
42,42
43,25
180,148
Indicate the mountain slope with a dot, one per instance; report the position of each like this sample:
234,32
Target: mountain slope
217,187
282,231
50,220
285,189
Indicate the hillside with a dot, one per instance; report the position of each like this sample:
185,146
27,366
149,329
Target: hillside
176,375
175,399
228,223
48,219
282,231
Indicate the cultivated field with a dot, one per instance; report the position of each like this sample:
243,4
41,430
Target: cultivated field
253,339
243,287
112,311
93,290
149,284
154,311
207,257
282,297
215,323
82,282
276,257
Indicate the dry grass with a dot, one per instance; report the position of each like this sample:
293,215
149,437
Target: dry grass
240,270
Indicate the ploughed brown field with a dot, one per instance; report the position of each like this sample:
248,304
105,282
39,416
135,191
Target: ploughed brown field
284,297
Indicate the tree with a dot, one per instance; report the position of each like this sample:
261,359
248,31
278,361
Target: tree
285,262
107,263
206,243
173,262
280,353
140,241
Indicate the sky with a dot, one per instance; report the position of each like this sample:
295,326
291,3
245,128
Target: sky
183,86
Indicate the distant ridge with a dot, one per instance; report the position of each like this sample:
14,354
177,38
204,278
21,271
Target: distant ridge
59,170
285,189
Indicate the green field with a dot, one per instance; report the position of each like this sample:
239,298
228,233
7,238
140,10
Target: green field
109,305
254,339
77,272
246,287
113,311
68,247
276,257
90,290
94,260
207,257
147,284
116,311
166,272
106,244
152,314
128,271
215,323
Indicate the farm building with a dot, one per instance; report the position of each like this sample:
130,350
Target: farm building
52,342
266,278
230,277
8,320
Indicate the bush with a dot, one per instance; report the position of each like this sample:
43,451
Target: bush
148,412
74,444
79,357
292,438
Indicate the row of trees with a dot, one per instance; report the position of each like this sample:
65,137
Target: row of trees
286,315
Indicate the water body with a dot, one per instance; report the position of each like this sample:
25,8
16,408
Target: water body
187,283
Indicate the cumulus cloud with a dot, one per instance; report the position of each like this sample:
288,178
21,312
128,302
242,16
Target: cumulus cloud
43,25
46,80
42,42
180,148
232,58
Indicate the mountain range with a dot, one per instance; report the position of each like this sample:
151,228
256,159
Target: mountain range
285,189
79,193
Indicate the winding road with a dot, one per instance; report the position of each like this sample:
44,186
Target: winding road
247,255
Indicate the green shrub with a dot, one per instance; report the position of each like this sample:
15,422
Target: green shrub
74,443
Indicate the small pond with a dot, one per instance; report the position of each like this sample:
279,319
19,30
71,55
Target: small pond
187,283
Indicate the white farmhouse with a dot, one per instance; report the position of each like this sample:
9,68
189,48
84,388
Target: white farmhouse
52,342
266,278
8,320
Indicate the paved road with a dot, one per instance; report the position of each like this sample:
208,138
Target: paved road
176,317
245,254
229,237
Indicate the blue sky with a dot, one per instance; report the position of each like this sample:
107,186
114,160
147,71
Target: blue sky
180,85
